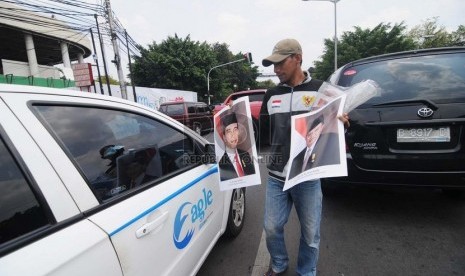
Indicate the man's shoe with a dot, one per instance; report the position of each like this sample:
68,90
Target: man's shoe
270,272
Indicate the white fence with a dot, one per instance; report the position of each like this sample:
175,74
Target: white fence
151,97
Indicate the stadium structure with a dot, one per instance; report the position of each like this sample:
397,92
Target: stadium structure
38,50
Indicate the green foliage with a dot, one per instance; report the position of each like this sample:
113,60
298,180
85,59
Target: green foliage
180,63
183,64
266,84
110,80
363,43
458,37
430,35
384,39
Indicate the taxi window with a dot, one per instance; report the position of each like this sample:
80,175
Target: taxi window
21,211
118,151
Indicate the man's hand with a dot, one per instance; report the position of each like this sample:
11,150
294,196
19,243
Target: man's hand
344,119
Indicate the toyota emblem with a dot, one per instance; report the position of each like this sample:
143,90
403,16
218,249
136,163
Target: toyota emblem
425,112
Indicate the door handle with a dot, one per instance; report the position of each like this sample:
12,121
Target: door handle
149,227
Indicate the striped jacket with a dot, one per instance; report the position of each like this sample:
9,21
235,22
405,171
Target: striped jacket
279,104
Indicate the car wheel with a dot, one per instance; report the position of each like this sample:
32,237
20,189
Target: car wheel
198,129
236,213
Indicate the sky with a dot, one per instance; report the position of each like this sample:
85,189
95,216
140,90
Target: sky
256,25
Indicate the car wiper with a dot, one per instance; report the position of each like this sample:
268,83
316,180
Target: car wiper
426,102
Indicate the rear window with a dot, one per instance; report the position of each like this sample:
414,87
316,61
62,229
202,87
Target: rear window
190,108
175,109
256,97
252,97
202,108
438,77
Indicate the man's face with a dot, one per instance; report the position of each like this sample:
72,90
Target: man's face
287,68
313,134
231,135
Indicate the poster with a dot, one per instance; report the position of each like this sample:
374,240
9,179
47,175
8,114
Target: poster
317,144
235,149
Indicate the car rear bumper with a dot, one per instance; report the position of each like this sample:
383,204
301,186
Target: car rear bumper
442,179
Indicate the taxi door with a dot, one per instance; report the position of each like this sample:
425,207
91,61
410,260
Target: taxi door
168,221
169,225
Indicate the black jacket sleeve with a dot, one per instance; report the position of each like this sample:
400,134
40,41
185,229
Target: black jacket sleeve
264,123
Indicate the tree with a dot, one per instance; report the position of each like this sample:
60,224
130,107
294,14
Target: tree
175,63
385,39
230,78
458,37
363,43
183,64
110,80
266,84
430,35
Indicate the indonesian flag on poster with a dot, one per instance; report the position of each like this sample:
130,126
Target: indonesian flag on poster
275,103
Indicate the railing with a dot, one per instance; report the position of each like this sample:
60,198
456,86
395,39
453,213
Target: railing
30,80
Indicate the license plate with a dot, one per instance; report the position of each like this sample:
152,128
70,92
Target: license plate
425,134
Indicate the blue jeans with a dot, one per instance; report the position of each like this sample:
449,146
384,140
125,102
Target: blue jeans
307,199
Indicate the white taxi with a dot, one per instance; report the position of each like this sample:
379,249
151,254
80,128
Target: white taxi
97,185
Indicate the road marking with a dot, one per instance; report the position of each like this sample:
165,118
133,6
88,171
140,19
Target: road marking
262,260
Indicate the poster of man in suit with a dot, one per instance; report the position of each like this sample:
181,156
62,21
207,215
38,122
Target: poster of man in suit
317,145
234,146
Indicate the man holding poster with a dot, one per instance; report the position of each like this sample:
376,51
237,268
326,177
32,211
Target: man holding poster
297,93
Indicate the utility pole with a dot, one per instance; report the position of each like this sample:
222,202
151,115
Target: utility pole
103,55
96,62
130,67
117,60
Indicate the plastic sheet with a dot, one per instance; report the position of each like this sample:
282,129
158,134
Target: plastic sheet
357,94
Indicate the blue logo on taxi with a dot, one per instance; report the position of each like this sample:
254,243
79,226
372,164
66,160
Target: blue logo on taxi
184,229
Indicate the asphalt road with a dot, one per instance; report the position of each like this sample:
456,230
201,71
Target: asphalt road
364,231
392,231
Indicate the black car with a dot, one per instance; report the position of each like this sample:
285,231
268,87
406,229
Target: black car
413,133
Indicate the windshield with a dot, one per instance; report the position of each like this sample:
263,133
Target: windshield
424,77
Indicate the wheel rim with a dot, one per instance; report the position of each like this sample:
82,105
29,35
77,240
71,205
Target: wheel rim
238,206
197,129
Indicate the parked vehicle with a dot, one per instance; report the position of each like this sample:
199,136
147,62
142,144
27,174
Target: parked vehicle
195,115
97,185
255,100
414,132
